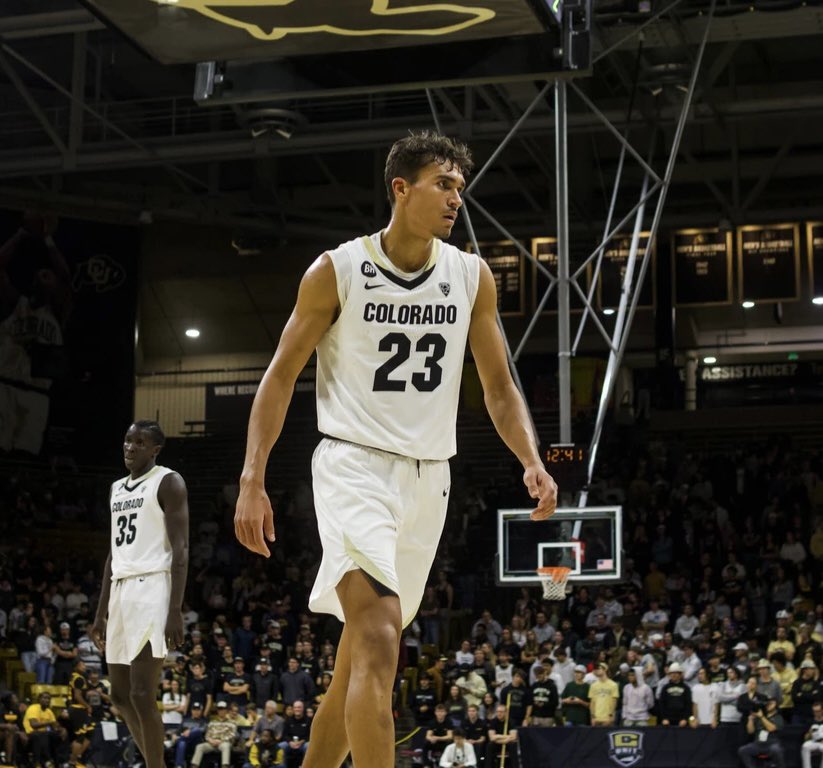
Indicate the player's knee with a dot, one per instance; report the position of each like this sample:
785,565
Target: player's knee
143,699
120,698
375,644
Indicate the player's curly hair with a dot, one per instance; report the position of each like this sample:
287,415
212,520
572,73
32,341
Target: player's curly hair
415,151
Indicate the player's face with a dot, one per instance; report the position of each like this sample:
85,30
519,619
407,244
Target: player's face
433,199
139,451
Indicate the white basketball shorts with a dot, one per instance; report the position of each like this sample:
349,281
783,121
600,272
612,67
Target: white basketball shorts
138,609
379,512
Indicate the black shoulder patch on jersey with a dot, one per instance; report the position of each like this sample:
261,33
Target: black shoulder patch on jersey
368,270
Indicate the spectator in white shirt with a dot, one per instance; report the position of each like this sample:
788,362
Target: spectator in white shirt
460,754
704,701
563,667
655,619
687,623
638,701
465,655
691,665
728,692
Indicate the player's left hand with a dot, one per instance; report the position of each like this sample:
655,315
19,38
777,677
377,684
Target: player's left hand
174,630
541,486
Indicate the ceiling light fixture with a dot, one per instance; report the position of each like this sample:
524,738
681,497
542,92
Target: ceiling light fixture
710,360
818,300
608,311
192,333
747,304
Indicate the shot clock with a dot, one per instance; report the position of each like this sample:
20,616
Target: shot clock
568,463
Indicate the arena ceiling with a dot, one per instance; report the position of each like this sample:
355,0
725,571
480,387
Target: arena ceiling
251,183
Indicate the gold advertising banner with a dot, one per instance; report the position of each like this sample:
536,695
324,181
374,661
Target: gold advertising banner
768,262
702,267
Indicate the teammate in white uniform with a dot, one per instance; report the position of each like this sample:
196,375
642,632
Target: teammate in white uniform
389,316
139,615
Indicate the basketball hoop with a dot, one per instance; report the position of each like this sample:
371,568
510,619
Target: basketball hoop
554,581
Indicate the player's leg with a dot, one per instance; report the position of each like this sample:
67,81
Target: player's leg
373,625
144,679
329,743
120,678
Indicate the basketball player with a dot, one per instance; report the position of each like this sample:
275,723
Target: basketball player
389,315
139,615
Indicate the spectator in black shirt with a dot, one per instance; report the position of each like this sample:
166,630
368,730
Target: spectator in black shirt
674,706
423,701
263,684
475,729
438,735
65,650
805,691
763,725
502,734
296,732
518,698
295,683
200,686
237,685
273,640
545,698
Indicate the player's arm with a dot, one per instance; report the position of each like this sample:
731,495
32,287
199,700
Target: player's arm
173,499
98,627
503,400
311,317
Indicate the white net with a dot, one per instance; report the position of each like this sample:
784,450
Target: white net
554,581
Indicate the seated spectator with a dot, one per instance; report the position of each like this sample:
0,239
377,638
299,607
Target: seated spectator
8,730
813,738
502,749
763,725
638,701
455,705
220,736
460,754
268,720
472,686
296,735
175,705
188,735
674,704
265,752
438,735
44,733
474,728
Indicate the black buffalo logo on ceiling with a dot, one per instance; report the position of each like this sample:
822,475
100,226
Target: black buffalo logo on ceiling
275,19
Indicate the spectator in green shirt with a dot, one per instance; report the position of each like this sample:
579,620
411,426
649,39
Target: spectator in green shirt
575,699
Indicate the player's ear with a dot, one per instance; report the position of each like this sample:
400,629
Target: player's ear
400,187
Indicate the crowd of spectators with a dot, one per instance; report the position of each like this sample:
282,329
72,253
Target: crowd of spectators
718,619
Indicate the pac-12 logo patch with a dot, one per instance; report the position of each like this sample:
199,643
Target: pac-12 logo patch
626,747
445,287
367,268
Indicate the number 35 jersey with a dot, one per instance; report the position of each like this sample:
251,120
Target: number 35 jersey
139,541
389,368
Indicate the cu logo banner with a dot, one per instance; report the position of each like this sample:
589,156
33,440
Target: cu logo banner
626,747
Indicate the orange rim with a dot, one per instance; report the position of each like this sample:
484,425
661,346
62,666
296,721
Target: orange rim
556,572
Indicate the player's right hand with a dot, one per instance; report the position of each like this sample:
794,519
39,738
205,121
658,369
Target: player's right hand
254,519
98,634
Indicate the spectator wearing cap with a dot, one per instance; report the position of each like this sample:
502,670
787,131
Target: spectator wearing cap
215,653
220,736
785,674
237,684
460,754
545,698
273,640
189,734
806,689
637,701
763,726
472,686
675,700
782,643
517,697
295,683
575,699
767,686
741,659
263,683
603,695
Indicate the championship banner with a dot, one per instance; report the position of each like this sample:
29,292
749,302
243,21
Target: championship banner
702,267
814,241
506,263
613,268
768,262
544,250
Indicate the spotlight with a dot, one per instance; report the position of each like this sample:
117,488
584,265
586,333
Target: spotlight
747,304
192,333
608,311
710,360
818,300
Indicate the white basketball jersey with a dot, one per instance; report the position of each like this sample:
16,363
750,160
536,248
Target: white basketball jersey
389,368
139,541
